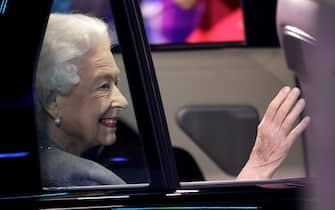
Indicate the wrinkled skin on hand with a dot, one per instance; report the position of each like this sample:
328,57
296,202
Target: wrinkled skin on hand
275,135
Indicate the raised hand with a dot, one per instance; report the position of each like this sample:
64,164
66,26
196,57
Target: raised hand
275,135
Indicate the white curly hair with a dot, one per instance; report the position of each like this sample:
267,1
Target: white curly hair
68,38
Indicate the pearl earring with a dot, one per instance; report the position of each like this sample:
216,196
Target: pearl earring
57,121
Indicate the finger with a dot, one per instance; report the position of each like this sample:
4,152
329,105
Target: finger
293,115
286,106
275,104
297,131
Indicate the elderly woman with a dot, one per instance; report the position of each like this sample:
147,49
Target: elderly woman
78,100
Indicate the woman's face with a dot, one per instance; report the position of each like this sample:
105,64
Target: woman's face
89,114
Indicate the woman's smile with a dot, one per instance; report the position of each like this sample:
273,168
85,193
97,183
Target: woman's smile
109,122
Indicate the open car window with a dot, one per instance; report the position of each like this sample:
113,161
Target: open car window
86,84
87,129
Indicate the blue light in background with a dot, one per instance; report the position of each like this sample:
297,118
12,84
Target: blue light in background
61,6
119,159
3,6
14,155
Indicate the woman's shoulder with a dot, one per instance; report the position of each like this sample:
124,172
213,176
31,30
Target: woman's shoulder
62,169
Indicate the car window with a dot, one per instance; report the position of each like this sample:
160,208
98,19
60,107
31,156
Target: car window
88,134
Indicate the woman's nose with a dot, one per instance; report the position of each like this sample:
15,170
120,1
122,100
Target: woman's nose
118,99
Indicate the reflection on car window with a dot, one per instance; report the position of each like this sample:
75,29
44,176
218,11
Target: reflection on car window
86,137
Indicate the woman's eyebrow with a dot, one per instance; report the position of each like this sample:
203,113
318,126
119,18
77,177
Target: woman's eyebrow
107,75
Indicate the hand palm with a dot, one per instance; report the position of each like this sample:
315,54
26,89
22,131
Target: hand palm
275,135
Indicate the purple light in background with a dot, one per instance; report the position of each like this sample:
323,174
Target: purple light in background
14,155
119,159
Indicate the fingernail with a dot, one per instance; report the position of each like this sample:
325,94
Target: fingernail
302,101
286,89
308,119
297,90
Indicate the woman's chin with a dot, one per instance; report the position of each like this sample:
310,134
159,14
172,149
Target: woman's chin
109,139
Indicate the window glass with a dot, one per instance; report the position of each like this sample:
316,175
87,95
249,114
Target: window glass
88,133
214,101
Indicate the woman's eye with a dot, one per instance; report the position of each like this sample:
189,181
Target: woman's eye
105,86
